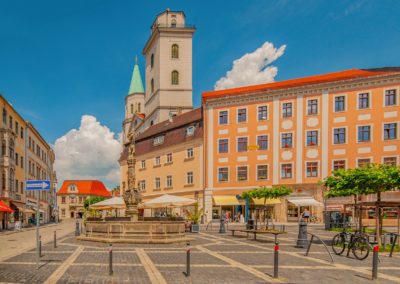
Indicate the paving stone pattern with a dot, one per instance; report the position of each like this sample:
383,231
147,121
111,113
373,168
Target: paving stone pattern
215,258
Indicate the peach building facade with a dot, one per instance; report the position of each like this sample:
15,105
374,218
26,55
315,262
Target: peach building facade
296,132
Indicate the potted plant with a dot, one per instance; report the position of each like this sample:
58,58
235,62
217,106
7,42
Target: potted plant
194,217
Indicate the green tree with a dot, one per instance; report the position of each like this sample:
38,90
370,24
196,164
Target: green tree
370,179
92,200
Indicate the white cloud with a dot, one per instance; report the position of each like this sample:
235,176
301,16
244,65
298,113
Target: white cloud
252,68
90,152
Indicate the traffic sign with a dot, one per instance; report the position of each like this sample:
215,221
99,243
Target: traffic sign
37,185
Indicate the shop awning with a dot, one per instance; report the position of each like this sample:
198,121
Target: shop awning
269,201
225,200
304,201
18,206
27,210
5,208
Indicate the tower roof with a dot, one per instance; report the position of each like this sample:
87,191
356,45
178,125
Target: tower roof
136,82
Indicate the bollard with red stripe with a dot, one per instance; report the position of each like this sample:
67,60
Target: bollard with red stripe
375,262
276,260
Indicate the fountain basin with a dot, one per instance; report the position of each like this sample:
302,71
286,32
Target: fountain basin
140,232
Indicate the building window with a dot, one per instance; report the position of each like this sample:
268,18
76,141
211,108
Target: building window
22,187
16,159
364,133
262,142
242,115
157,161
72,199
392,161
287,141
390,97
175,51
169,182
223,174
152,86
138,107
286,171
173,23
158,140
363,100
312,107
169,158
190,131
287,110
11,149
143,164
363,162
262,113
175,77
63,213
339,135
189,153
157,183
152,60
312,138
242,173
189,178
389,131
223,146
16,127
312,169
339,164
223,117
131,108
339,103
4,116
262,172
242,144
142,185
10,120
22,132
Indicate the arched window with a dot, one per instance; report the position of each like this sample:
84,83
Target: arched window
131,108
175,77
135,107
11,180
3,180
173,23
152,86
3,148
138,107
152,60
175,51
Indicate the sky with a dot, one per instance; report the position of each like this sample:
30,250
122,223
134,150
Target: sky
66,65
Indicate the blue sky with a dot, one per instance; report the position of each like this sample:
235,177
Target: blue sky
62,59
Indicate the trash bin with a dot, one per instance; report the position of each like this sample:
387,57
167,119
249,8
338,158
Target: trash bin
250,224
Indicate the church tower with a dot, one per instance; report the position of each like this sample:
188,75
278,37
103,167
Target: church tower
134,101
168,54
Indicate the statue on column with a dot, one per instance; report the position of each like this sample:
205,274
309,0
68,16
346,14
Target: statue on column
132,195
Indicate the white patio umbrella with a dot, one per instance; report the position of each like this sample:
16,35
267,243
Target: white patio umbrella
168,200
112,203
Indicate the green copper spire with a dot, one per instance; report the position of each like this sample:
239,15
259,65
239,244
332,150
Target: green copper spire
136,82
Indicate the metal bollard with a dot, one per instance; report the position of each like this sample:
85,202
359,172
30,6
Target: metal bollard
55,239
222,226
375,263
40,246
110,271
77,233
187,260
302,236
276,260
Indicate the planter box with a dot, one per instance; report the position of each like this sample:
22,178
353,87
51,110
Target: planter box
195,228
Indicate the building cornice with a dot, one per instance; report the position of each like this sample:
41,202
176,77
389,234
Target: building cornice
331,87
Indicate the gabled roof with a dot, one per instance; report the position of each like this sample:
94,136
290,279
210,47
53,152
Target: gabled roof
177,121
317,79
85,187
136,82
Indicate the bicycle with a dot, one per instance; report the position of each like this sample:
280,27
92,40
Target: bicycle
357,242
315,219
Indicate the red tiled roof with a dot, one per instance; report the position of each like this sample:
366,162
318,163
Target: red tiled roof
317,79
86,187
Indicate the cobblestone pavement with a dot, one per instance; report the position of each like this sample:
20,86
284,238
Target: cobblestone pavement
215,258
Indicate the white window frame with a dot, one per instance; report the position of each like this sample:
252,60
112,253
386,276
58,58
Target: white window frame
157,161
187,178
397,97
168,159
346,164
190,150
258,179
397,131
218,146
168,181
227,112
371,160
218,174
157,180
369,92
158,140
262,105
280,139
391,156
280,170
318,137
318,168
267,142
346,135
190,130
237,173
318,106
237,115
237,144
281,109
143,164
345,103
371,134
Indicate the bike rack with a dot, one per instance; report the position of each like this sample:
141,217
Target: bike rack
326,247
396,236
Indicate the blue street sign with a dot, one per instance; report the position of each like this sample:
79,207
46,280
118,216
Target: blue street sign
37,185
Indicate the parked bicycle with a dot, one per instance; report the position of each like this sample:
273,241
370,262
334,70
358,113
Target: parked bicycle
355,241
314,219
